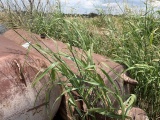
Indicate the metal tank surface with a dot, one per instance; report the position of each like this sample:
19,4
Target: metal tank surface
115,70
19,100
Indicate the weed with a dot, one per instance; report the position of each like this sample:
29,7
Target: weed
129,39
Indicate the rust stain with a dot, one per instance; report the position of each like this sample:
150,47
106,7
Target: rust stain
20,72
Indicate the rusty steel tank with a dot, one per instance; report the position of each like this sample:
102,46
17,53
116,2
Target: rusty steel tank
19,99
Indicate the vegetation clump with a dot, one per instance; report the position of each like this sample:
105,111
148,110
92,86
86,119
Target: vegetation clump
133,40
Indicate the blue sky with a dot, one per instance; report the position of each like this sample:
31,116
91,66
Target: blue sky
109,6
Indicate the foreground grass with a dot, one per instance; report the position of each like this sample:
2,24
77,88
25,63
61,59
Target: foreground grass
129,39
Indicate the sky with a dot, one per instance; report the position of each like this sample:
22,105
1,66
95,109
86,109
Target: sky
108,6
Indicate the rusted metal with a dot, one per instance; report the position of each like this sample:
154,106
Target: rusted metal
114,70
19,100
20,72
137,114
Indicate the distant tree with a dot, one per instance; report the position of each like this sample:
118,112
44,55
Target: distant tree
91,15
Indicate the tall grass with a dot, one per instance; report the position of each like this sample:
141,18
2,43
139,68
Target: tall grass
135,42
129,39
93,93
137,46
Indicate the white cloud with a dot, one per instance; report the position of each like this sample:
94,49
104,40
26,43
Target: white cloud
80,6
81,3
91,4
155,3
112,5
